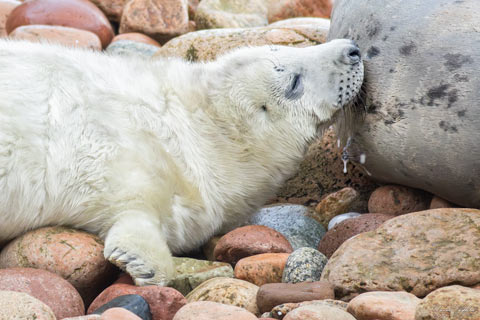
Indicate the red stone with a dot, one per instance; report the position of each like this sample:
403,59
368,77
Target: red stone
397,200
248,241
80,14
346,229
164,302
53,290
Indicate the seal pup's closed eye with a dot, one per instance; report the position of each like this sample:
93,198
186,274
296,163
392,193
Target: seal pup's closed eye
157,156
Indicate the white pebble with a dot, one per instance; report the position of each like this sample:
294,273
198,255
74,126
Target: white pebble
341,217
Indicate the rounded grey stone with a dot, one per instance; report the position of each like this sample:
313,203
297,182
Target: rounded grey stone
132,48
292,222
422,62
304,264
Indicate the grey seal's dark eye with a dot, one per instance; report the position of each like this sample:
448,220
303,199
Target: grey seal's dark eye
295,90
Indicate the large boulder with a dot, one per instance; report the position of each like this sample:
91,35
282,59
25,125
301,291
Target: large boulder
416,252
423,102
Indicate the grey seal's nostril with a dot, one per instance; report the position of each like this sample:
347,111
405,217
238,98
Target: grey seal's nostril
351,55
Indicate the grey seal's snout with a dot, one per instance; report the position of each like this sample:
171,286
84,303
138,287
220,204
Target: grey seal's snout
351,54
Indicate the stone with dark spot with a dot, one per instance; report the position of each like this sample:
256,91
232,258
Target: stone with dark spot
396,200
131,302
434,52
335,237
304,264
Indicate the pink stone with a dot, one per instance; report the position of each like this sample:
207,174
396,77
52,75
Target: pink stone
53,290
6,6
164,302
66,36
80,14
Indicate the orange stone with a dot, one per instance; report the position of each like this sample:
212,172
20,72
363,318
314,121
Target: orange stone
159,19
262,268
66,36
137,37
80,14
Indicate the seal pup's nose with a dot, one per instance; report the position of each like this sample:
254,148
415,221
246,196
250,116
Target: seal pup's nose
351,54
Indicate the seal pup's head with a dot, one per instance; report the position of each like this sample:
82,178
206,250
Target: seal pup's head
304,87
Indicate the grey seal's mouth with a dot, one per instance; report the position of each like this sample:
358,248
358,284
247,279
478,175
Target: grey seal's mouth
349,84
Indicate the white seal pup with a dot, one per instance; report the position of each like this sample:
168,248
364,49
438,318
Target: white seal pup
156,156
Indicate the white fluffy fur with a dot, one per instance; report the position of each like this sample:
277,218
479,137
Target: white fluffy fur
154,156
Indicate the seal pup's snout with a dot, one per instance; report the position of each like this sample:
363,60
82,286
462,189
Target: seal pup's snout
351,55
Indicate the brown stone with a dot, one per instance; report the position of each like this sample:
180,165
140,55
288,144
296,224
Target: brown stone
284,9
54,291
213,14
159,19
248,241
137,37
208,310
322,166
274,294
384,305
80,14
206,45
438,203
346,229
6,6
417,252
119,314
318,312
262,268
112,8
74,255
229,291
66,36
334,204
450,303
164,302
19,305
397,200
